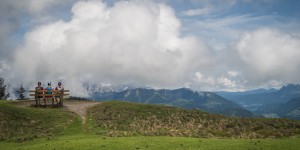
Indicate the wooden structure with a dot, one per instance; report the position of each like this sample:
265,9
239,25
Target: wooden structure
42,95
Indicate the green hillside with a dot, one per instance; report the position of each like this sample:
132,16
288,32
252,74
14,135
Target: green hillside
128,119
21,124
140,127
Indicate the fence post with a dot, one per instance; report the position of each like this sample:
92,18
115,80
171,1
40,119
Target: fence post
36,97
62,97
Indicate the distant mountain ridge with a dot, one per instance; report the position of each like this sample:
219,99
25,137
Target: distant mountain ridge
103,88
184,98
291,109
256,91
284,102
271,96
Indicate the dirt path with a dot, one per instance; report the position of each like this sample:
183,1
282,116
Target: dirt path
78,107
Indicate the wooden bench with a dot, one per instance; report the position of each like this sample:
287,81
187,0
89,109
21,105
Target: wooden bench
41,94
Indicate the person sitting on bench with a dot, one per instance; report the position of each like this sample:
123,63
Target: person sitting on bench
40,88
57,97
48,89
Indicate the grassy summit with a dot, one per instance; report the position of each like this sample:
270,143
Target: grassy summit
127,119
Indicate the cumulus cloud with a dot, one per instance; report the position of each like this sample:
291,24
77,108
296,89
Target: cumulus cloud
265,57
131,42
269,55
143,43
204,79
230,81
18,16
226,82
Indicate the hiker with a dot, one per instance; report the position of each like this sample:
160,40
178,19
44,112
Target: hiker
57,95
48,90
40,88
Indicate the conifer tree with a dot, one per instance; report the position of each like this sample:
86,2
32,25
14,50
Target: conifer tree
21,92
3,94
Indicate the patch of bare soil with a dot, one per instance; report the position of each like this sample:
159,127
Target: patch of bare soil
80,107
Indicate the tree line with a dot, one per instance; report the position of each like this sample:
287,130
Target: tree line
4,94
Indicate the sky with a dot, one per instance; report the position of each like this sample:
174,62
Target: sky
205,45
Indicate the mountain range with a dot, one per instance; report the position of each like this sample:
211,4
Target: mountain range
290,109
104,88
271,103
284,102
263,97
183,98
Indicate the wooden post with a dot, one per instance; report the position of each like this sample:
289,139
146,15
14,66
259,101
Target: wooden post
52,100
61,102
44,98
36,98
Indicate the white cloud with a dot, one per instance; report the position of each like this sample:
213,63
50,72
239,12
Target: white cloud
206,80
269,55
17,16
197,12
218,82
131,42
226,82
143,43
232,73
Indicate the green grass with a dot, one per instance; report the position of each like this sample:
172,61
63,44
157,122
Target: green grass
132,119
73,135
142,142
21,123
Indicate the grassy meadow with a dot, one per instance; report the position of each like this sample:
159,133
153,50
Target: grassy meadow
20,124
131,119
83,141
114,125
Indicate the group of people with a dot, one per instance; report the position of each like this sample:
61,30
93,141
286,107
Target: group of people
49,90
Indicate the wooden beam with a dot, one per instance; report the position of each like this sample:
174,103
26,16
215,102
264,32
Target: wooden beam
48,90
48,94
